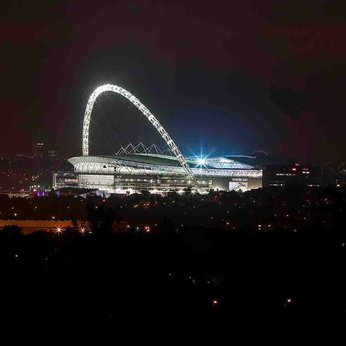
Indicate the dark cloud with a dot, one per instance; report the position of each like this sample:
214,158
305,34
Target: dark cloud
301,12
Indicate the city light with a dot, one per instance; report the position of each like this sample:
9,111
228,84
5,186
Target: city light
288,301
201,161
215,302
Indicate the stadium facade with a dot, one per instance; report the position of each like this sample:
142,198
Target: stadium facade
139,168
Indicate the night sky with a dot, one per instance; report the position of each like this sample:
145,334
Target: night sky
225,76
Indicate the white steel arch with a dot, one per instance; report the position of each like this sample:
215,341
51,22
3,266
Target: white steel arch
134,100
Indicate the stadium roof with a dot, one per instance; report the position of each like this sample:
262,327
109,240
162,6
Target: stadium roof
172,161
152,159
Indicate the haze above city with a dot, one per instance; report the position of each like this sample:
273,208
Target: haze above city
235,77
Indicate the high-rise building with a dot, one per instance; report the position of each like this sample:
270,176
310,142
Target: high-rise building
52,153
39,149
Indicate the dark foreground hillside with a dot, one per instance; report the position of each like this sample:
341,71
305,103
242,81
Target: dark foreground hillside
186,271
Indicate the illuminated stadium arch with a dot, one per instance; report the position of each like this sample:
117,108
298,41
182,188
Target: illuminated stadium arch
134,100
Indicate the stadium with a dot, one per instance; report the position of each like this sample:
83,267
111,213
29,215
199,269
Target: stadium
138,168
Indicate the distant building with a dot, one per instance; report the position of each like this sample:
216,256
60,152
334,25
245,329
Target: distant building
329,174
341,174
39,149
65,180
137,169
291,176
52,153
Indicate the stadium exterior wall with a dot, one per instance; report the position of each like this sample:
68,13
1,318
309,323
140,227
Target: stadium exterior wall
154,183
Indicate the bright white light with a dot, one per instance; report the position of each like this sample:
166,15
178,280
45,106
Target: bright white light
201,161
215,302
